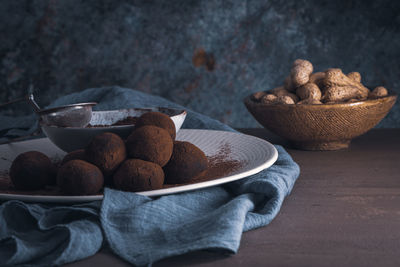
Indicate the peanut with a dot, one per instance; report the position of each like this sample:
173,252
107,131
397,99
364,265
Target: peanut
309,91
339,87
379,91
300,73
269,99
305,64
317,78
294,97
285,99
355,76
279,91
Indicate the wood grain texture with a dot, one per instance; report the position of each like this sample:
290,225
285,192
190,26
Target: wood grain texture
321,127
343,211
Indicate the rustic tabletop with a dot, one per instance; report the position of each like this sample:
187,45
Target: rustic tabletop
344,210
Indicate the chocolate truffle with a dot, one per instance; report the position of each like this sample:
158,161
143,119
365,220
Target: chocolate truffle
78,177
138,175
157,119
186,162
150,143
107,151
32,170
77,154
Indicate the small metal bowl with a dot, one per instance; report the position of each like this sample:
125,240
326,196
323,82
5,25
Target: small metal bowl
73,138
74,115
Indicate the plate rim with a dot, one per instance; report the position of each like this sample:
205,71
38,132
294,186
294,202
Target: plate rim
158,192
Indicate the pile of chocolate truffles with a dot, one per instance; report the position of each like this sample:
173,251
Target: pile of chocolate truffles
148,159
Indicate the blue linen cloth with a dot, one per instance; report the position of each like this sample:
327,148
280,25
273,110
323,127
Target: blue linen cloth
140,229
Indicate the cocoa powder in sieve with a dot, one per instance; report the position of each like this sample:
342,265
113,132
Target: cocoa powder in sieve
127,121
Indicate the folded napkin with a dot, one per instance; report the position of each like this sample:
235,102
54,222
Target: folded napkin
140,229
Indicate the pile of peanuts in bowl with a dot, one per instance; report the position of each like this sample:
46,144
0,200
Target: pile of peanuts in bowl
331,86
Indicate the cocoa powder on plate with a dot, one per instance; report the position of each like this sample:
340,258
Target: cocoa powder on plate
219,165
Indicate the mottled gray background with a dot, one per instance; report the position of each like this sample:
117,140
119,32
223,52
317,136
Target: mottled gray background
206,55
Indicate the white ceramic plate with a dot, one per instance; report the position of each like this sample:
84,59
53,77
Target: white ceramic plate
255,155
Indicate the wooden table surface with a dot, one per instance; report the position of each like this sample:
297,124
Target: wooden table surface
344,210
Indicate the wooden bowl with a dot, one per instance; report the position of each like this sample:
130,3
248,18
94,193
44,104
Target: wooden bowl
321,127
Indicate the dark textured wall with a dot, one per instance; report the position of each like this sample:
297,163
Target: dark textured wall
206,55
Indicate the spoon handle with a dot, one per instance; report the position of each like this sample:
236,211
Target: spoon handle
31,99
33,103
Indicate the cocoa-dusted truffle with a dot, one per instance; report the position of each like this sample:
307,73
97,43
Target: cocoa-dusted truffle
32,170
78,177
138,175
150,143
76,154
186,162
157,119
107,151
